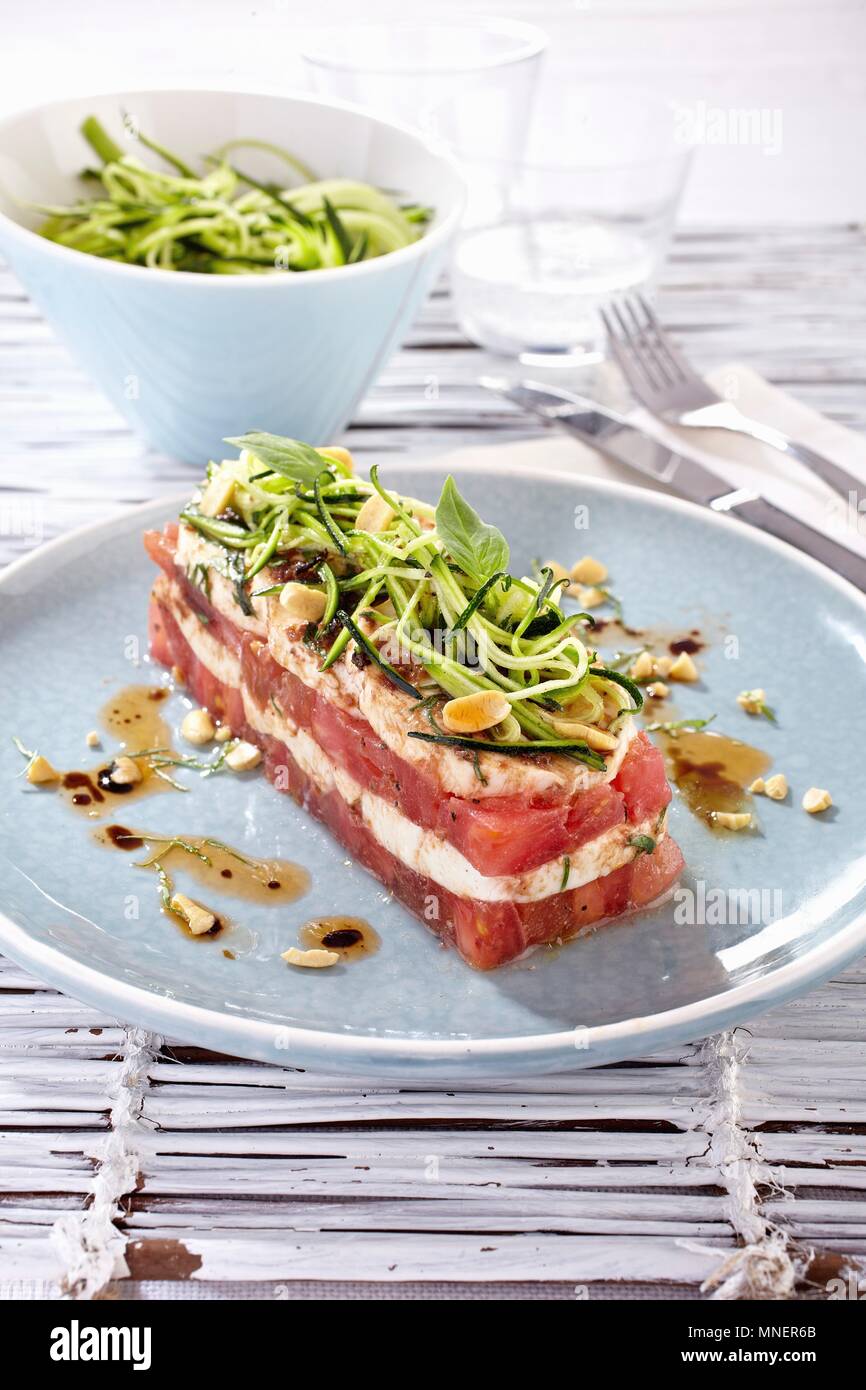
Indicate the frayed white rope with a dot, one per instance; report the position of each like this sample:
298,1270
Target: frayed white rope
89,1243
766,1266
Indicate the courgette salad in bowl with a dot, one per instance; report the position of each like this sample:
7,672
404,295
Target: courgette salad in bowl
449,721
224,221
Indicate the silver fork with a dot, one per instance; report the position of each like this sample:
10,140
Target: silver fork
669,387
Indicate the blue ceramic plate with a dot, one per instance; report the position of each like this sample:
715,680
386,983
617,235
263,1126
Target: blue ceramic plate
70,616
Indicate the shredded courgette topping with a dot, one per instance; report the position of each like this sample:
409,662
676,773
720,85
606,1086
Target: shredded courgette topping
428,599
224,221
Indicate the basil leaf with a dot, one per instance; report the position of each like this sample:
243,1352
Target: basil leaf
288,457
236,571
643,844
480,550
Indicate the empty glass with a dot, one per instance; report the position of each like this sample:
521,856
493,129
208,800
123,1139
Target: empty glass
581,211
401,71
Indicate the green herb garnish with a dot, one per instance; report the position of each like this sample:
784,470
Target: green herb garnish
238,575
675,726
288,457
643,844
480,550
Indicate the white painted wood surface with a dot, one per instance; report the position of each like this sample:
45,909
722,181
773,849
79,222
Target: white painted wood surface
210,1175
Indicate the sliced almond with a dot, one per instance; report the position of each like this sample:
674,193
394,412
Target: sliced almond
198,918
683,669
314,959
816,799
39,771
197,726
375,515
596,738
301,604
472,714
588,570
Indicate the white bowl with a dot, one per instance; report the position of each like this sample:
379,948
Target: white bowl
191,358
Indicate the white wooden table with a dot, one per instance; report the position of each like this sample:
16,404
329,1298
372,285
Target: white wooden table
217,1177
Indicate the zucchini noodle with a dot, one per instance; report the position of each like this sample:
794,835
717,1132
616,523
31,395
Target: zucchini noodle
224,221
441,627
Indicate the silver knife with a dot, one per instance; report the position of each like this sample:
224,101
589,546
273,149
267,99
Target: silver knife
611,434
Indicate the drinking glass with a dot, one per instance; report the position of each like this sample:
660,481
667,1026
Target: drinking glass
401,71
581,211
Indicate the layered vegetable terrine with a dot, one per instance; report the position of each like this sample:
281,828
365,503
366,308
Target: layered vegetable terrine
451,723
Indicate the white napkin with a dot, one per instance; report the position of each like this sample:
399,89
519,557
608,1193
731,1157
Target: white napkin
741,462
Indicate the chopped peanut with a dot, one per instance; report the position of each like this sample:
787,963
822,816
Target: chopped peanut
683,669
662,665
217,495
556,569
776,787
758,787
472,714
732,820
336,451
596,738
197,726
752,701
375,515
315,959
177,675
243,757
587,598
642,667
816,799
658,690
39,770
125,772
301,604
223,734
198,918
93,740
589,571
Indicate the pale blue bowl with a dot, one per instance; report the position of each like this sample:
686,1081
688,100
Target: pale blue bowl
189,359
